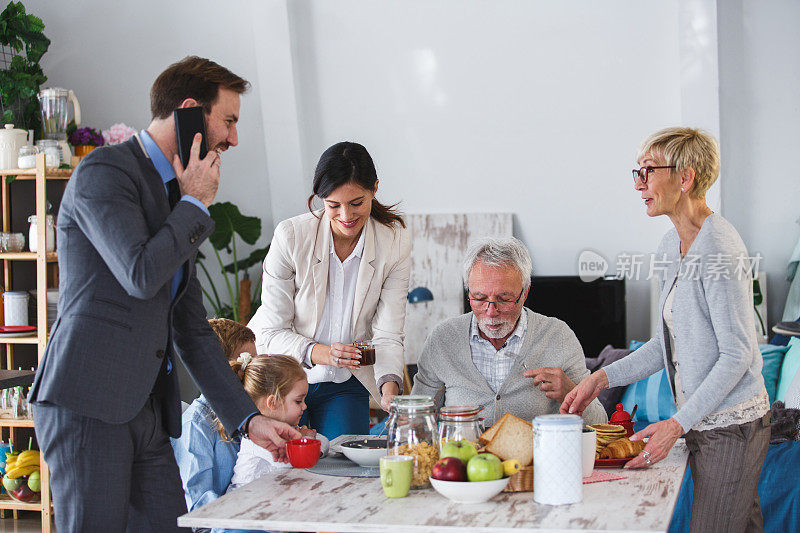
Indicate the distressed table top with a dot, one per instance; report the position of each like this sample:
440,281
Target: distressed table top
298,500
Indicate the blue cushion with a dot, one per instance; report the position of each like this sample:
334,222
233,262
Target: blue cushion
653,396
635,345
778,492
791,362
773,358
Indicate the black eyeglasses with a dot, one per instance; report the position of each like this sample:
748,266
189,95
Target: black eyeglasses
500,304
644,172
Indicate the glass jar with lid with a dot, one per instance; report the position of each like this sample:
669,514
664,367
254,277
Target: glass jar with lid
51,150
50,233
412,431
459,422
27,156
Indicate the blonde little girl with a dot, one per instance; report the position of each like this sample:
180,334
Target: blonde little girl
277,384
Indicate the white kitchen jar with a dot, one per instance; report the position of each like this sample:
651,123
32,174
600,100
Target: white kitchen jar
557,470
50,234
15,307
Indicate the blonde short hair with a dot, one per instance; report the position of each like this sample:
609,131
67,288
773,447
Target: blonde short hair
686,148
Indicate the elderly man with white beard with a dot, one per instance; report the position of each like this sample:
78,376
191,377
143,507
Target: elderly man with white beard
502,356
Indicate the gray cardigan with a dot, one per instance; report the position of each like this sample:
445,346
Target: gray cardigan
446,361
713,318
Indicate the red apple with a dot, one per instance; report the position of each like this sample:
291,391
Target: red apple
23,493
449,469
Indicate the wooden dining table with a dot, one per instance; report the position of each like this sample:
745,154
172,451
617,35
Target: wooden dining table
300,500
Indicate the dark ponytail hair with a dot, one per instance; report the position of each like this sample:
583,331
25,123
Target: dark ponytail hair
349,162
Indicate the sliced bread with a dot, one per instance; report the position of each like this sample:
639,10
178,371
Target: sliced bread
487,435
513,440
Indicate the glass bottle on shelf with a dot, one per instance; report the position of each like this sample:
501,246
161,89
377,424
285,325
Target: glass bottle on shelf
412,431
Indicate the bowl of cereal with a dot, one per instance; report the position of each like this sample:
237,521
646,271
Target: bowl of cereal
365,452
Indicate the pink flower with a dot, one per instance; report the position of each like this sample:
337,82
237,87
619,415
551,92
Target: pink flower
118,133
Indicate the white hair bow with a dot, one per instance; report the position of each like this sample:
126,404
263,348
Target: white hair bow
244,358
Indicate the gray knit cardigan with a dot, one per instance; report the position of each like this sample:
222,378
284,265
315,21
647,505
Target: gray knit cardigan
720,364
446,363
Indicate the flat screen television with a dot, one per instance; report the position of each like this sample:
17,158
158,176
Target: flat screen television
594,310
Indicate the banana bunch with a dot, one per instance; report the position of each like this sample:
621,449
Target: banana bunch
23,464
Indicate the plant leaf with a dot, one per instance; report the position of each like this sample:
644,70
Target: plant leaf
227,221
255,258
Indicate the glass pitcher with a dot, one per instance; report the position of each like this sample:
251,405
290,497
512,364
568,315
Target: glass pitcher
53,103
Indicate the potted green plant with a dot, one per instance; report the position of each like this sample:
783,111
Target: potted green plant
21,75
229,222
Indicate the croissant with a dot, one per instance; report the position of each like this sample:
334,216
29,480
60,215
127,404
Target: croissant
622,449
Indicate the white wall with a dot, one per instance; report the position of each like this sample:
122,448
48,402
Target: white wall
760,117
110,53
534,108
530,107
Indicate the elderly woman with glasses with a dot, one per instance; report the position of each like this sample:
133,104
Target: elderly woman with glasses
706,342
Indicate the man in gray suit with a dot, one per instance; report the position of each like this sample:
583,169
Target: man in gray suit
106,394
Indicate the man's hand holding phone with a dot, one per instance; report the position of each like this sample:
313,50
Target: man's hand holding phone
200,178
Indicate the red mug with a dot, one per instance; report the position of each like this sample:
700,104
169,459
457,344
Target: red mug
303,453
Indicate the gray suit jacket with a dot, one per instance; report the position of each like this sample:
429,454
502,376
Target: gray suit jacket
119,247
446,364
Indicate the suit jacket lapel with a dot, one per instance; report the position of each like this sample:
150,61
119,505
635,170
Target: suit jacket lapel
151,176
320,268
365,272
156,185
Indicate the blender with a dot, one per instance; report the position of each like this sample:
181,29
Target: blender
54,102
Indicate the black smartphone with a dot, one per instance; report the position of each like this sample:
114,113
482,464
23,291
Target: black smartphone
188,122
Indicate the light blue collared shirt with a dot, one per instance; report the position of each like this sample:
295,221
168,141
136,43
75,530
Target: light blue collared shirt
495,364
205,460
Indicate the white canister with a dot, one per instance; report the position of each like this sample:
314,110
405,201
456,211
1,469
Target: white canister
50,234
557,472
15,306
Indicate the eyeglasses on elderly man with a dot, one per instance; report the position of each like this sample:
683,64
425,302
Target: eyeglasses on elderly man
501,304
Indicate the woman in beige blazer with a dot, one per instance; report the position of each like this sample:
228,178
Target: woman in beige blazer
332,277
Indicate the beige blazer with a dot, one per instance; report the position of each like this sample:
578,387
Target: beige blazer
294,287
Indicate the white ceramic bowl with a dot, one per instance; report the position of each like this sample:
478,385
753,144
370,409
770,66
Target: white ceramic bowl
368,455
470,491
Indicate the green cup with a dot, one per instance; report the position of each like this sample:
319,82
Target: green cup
396,472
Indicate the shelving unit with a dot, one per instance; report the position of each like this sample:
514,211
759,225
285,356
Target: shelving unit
42,259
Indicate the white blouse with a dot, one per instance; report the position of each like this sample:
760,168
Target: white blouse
336,323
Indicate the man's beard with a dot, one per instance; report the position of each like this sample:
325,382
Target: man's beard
505,330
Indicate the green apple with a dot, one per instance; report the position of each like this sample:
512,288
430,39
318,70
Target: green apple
461,449
35,481
11,484
484,467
